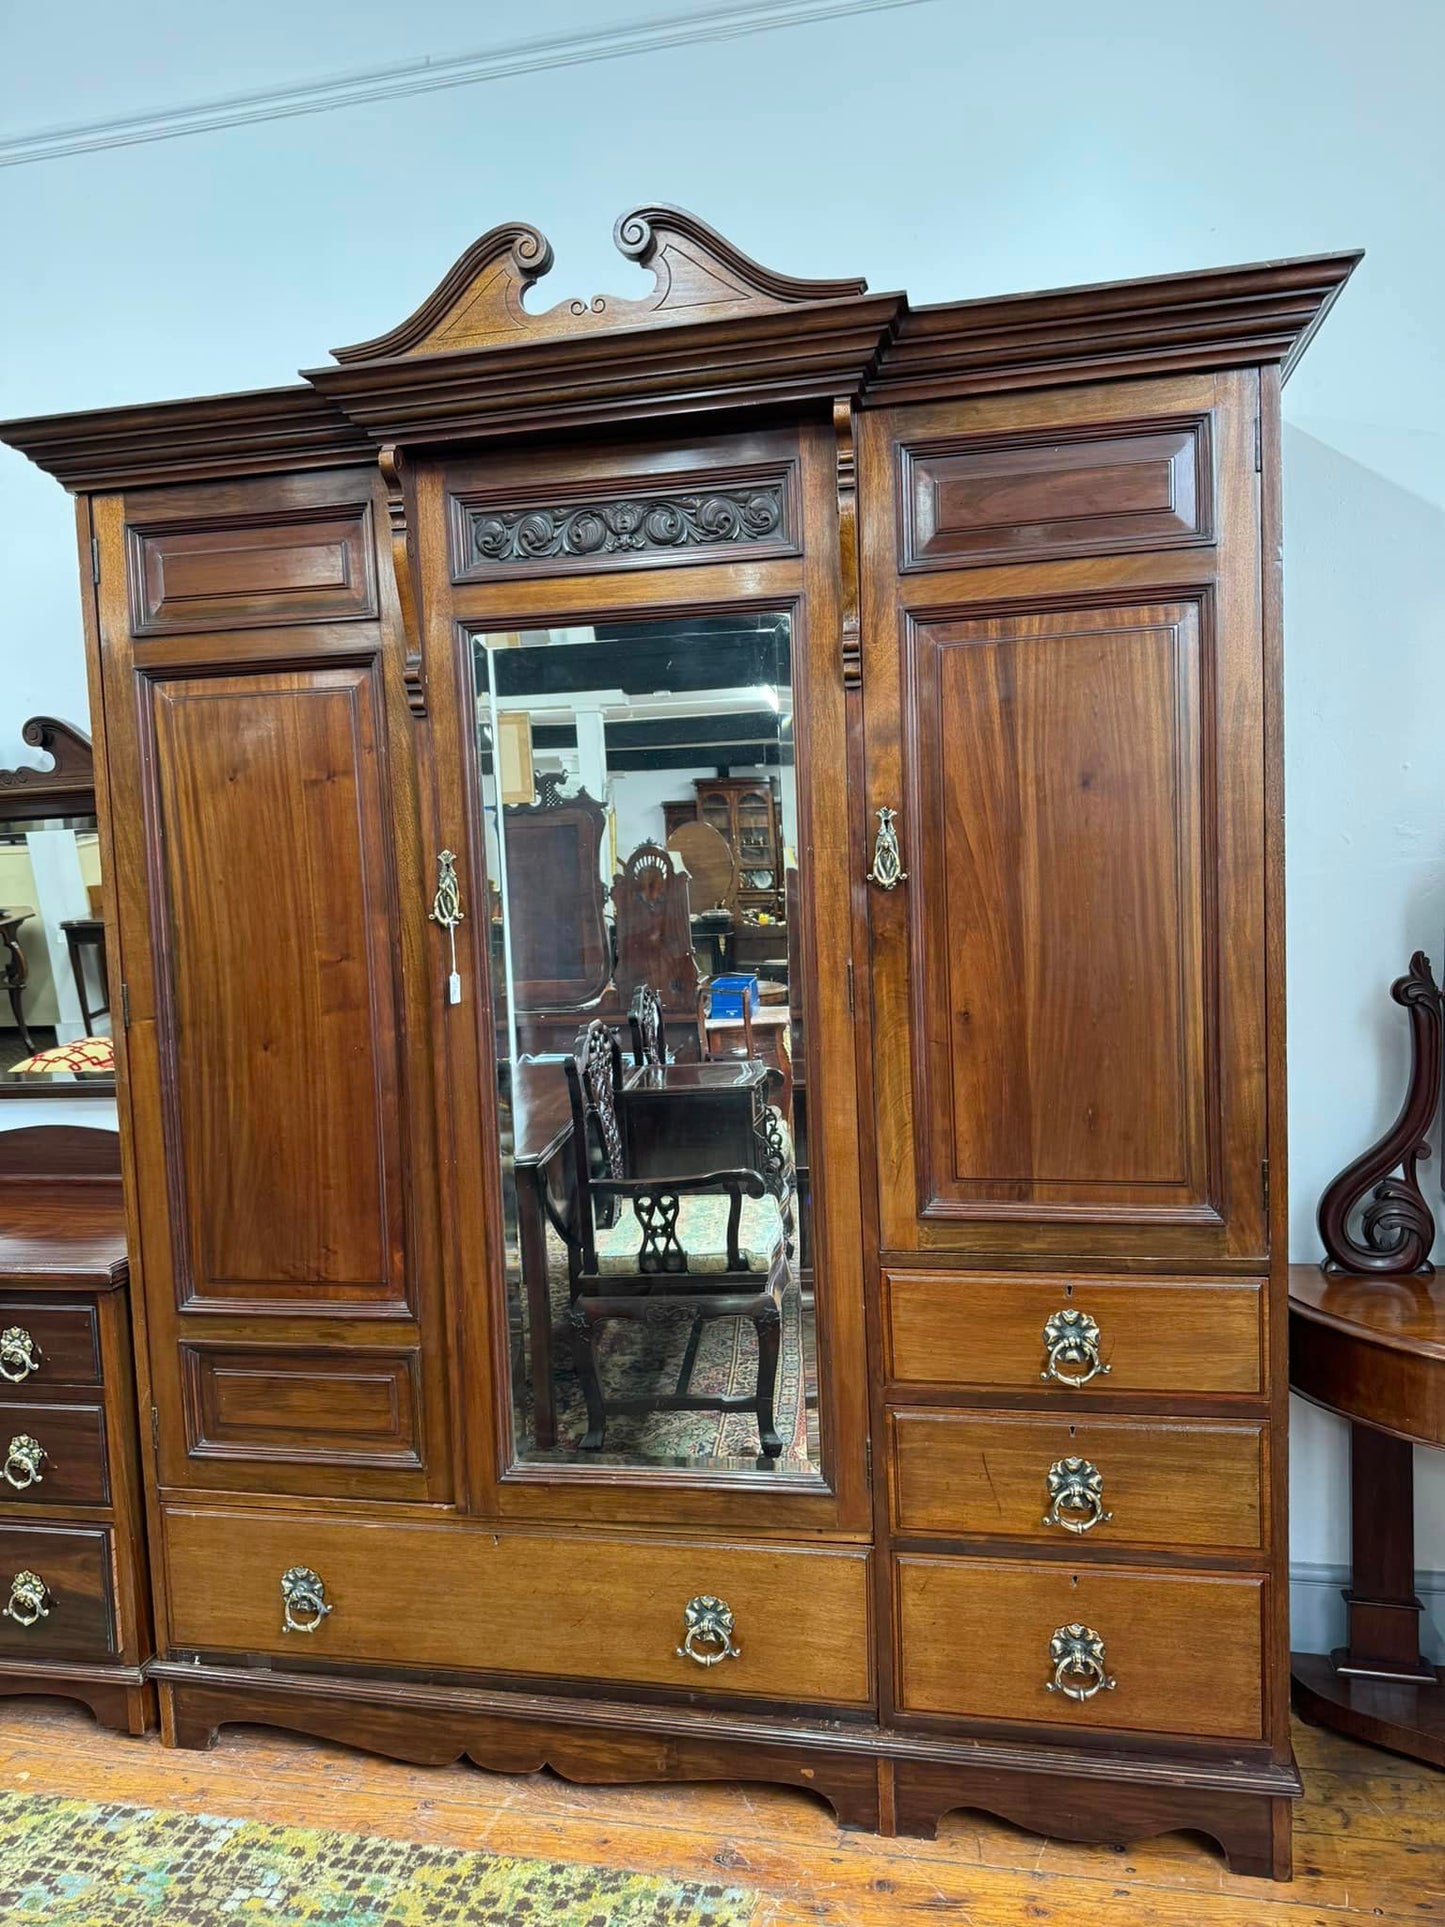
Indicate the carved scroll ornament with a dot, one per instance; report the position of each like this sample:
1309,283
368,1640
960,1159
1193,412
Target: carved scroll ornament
1396,1225
66,789
698,275
658,523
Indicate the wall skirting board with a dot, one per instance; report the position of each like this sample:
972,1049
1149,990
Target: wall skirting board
1317,1611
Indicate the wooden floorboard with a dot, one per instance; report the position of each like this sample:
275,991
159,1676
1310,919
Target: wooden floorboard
1369,1842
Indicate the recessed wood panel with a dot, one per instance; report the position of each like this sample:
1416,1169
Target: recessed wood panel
565,1606
356,1407
279,945
298,565
1181,1336
1058,906
1184,1649
74,1564
1164,1482
1036,495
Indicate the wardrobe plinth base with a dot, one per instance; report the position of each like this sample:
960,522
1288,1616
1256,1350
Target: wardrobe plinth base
117,1696
1253,1829
875,1780
416,1728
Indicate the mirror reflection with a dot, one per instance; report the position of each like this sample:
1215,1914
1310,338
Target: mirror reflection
641,836
55,1021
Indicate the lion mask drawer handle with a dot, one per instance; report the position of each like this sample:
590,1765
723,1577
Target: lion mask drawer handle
1076,1496
23,1462
1071,1339
303,1600
1076,1654
19,1354
29,1599
709,1631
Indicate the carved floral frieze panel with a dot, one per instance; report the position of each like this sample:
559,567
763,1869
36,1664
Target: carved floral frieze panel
689,519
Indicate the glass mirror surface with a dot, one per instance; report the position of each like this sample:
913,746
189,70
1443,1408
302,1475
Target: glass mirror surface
55,1022
640,812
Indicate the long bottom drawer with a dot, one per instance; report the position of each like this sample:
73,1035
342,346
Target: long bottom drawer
1096,1646
565,1607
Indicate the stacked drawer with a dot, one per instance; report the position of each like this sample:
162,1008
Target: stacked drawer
72,1602
1078,1491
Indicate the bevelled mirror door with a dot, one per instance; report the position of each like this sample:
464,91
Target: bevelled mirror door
55,1016
639,806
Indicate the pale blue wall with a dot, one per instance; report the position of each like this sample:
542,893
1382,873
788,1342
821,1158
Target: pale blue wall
948,148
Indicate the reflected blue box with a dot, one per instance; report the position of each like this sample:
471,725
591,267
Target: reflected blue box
729,993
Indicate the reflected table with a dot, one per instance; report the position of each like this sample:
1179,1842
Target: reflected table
682,1120
14,970
82,934
1373,1350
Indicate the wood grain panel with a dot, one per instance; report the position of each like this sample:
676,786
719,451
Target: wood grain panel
1058,913
1047,493
312,1406
284,1079
66,1342
293,566
74,1563
1166,1483
1184,1648
74,1470
1186,1337
433,1596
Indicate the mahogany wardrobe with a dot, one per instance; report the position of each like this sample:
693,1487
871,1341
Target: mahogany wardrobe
878,1384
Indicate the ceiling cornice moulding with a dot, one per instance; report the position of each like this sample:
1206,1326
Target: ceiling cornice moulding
429,75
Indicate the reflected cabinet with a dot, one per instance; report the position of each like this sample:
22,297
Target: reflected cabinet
698,929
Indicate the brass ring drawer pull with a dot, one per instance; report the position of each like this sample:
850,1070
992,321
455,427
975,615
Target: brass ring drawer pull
303,1600
1076,1496
1071,1340
709,1631
19,1354
29,1599
1076,1654
23,1461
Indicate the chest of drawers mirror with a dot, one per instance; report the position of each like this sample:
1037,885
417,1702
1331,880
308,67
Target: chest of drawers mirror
74,1584
542,1443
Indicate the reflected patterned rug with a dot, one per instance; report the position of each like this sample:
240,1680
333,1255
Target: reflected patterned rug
635,1359
72,1863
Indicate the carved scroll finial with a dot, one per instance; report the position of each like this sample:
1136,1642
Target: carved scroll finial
480,298
698,276
1396,1224
67,788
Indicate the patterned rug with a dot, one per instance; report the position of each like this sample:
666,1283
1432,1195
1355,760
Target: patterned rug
71,1863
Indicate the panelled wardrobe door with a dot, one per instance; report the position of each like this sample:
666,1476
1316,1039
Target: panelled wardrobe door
1064,712
271,920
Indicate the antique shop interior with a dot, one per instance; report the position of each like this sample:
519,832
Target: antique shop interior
721,1032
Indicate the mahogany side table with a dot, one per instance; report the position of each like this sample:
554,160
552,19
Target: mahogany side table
1373,1350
